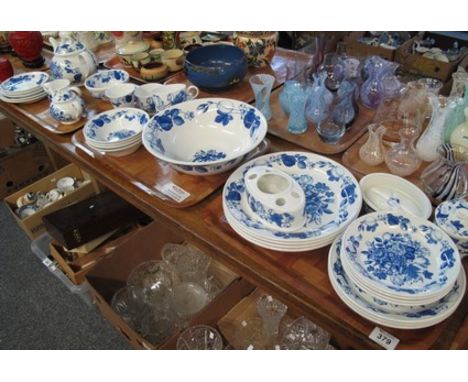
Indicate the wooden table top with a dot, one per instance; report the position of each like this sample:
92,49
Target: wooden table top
298,280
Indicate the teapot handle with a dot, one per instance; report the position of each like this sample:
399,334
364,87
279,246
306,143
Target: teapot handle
85,64
53,41
75,90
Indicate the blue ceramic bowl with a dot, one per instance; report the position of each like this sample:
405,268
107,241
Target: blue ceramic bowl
215,67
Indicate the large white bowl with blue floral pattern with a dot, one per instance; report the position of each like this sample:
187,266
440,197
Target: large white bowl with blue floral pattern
401,317
400,257
115,128
98,83
333,200
205,136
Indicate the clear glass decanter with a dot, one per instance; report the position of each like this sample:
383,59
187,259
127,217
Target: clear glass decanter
402,158
373,152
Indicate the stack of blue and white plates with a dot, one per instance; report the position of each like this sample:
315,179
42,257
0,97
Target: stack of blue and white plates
397,270
116,132
24,88
332,201
452,217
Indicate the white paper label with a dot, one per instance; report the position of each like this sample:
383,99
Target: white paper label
173,191
384,339
47,262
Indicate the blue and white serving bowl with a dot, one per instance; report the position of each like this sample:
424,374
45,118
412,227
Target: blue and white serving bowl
204,137
98,83
400,258
116,132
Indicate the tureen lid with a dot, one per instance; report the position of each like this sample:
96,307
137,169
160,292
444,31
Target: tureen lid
133,47
67,45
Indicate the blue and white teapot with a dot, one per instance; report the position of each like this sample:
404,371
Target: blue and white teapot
72,59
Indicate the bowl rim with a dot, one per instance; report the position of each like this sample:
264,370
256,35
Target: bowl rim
114,111
87,86
240,154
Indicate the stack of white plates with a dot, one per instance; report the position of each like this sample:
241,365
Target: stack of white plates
116,132
332,201
397,270
24,88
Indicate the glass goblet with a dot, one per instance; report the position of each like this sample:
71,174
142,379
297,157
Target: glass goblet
200,337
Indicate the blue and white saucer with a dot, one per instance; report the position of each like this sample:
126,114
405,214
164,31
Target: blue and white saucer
415,317
333,200
452,217
24,84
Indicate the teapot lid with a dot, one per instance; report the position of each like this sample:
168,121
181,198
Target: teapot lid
67,45
64,96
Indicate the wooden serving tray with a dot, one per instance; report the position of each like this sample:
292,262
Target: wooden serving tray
115,63
158,178
310,140
354,163
280,68
307,273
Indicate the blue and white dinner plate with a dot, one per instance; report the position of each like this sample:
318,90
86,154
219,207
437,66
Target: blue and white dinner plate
24,83
412,318
333,199
452,217
400,256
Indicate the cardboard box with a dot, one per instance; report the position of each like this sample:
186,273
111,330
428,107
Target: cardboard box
33,225
22,166
425,66
359,49
76,270
111,274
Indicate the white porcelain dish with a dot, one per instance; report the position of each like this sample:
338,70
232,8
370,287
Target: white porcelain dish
98,83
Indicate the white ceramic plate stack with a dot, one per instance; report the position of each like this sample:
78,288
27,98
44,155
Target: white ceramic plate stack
452,217
24,88
397,270
116,132
332,201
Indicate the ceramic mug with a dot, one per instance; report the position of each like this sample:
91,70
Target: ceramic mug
170,95
121,95
156,54
173,59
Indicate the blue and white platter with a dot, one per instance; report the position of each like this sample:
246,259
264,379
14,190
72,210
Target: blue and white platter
401,317
400,258
333,200
24,84
452,217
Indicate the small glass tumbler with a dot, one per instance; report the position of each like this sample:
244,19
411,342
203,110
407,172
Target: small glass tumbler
200,337
189,298
271,311
329,131
128,307
158,325
261,86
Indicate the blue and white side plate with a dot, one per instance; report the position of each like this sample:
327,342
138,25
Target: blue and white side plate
401,256
333,199
24,83
412,318
452,217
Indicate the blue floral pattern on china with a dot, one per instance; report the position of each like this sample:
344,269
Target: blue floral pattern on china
340,206
106,77
66,69
452,217
399,254
283,220
208,156
22,82
69,47
379,310
92,127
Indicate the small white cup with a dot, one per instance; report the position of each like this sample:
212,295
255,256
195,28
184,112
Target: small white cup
121,95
